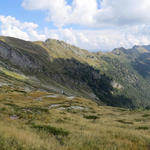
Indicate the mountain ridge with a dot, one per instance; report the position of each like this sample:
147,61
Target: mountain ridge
112,78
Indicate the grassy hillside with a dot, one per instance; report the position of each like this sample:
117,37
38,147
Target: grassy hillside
39,120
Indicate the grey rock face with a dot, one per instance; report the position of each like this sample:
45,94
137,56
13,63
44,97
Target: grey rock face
16,58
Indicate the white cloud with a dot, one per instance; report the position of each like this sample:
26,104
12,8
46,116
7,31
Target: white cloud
58,9
105,39
117,23
123,12
80,12
10,26
87,13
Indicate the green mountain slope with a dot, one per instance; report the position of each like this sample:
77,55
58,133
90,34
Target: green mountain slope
117,78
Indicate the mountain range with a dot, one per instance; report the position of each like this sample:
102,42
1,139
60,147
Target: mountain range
118,78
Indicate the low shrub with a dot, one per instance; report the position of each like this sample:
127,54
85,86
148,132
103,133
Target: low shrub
52,130
91,117
142,128
125,122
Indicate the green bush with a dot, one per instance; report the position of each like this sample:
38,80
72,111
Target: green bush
91,117
52,130
142,128
125,122
146,115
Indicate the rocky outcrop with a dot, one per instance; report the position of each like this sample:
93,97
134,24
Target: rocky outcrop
17,58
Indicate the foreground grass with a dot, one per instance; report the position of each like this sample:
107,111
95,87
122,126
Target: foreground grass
45,121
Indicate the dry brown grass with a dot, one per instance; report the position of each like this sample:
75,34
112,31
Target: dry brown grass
111,129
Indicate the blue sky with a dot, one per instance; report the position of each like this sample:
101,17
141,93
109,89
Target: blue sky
93,24
13,8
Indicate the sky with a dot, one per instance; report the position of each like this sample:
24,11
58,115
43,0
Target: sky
89,24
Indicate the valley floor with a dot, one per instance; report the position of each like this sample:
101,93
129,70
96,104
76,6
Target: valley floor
46,121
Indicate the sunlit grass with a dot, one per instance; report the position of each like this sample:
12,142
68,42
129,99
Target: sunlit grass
27,122
13,74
